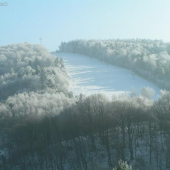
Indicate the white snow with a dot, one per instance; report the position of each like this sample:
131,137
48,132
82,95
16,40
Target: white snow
91,76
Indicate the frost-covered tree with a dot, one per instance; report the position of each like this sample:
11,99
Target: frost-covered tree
25,68
147,92
31,83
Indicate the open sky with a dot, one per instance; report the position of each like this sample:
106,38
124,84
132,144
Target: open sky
63,20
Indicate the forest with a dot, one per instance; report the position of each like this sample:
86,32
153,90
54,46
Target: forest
44,127
149,59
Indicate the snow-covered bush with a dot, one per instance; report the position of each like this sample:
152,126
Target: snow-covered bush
122,166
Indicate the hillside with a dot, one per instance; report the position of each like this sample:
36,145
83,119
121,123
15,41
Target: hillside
91,76
43,127
149,59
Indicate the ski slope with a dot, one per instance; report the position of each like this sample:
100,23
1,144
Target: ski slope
91,76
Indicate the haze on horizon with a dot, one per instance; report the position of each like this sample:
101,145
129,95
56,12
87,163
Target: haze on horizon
55,20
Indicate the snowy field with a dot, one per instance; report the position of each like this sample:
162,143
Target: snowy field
91,76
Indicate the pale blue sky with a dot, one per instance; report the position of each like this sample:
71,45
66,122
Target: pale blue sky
64,20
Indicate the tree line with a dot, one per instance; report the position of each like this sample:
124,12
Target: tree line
92,132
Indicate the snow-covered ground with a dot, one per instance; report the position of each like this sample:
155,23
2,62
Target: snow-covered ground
91,76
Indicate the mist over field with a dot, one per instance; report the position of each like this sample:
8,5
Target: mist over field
85,85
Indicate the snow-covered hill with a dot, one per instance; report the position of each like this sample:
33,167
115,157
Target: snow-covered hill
91,76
